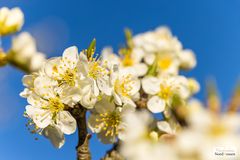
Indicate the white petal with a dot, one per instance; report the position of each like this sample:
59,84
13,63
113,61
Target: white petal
66,123
70,95
30,110
70,57
136,84
88,100
37,61
104,105
164,126
93,124
55,135
36,100
83,57
149,58
28,80
117,99
127,102
95,89
25,93
104,85
137,54
106,139
44,86
188,59
151,85
42,118
156,105
140,69
109,58
52,68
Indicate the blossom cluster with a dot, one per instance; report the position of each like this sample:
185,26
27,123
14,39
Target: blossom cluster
208,135
110,85
23,52
125,92
78,79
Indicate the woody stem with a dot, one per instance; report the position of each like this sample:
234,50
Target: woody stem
83,150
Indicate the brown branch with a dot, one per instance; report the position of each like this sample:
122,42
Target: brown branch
83,151
113,153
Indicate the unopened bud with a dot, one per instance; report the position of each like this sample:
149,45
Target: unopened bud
3,59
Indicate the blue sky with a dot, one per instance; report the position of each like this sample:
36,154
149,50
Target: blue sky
210,28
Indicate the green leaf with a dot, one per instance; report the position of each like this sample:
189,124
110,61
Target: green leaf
91,49
128,36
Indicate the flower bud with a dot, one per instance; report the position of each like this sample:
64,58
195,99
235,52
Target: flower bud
11,20
187,59
3,59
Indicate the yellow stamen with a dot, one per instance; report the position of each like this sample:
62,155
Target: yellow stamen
127,60
164,62
124,86
109,123
165,92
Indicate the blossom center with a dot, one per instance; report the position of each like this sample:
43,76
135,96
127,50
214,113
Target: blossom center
69,77
110,122
127,60
165,92
95,70
54,105
124,86
217,130
164,62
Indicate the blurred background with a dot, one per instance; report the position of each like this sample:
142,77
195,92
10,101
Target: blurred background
210,28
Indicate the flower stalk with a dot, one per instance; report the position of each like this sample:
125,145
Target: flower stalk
83,151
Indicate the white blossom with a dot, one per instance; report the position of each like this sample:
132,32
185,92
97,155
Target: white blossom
24,52
94,79
162,91
124,87
129,63
47,106
106,120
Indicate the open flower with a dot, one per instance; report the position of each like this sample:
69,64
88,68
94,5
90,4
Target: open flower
48,106
129,62
140,142
28,82
124,87
106,120
94,79
11,20
64,69
209,130
162,91
167,63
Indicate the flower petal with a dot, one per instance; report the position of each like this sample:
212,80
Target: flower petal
70,57
66,123
140,69
104,85
104,105
55,135
156,105
164,126
44,86
42,118
151,85
52,69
